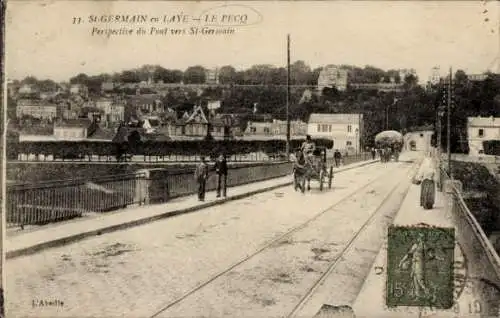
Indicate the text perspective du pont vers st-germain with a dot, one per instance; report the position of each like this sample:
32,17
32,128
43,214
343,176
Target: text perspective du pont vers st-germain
178,20
108,32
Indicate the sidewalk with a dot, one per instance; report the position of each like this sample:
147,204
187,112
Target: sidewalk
371,300
32,241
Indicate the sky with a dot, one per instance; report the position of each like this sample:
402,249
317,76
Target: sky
42,41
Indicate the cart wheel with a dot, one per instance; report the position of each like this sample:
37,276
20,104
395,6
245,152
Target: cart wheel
330,178
321,179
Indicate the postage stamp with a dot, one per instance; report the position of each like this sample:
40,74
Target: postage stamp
420,267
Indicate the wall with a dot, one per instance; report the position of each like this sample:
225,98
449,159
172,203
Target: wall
422,140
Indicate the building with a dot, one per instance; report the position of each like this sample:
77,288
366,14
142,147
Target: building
297,127
477,77
79,89
107,87
480,129
345,130
212,76
37,109
332,76
147,103
381,87
435,76
258,129
418,140
12,89
28,89
76,129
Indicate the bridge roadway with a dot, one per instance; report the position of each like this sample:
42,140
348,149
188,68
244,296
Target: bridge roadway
254,257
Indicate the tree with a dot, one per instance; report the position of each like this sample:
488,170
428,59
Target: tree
227,75
129,77
300,73
195,75
79,79
29,80
410,81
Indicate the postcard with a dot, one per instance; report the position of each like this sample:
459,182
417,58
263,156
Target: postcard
251,159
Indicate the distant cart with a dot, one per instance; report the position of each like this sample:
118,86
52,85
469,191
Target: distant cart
391,142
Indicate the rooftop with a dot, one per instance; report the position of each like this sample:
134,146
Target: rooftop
484,121
334,118
72,123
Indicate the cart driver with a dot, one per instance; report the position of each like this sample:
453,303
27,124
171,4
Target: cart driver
308,148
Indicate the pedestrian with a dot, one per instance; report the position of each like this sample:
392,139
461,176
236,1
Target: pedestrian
373,153
221,170
201,176
337,156
426,176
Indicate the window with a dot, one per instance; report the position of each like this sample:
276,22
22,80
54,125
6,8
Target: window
349,128
481,132
421,135
348,143
253,129
266,130
319,128
329,128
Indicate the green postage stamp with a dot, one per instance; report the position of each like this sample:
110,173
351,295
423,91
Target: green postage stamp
420,267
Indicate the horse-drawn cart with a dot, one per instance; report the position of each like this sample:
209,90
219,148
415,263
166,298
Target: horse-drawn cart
314,167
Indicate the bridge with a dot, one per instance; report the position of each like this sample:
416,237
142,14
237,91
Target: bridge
264,251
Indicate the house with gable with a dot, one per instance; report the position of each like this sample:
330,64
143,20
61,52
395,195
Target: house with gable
197,123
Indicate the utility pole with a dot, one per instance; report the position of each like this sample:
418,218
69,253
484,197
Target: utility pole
449,124
288,99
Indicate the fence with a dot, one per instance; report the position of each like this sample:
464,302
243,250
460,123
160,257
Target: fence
36,204
483,261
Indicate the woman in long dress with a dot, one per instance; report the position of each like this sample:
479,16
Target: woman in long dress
427,188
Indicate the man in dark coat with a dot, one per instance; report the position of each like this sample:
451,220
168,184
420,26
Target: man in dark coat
201,176
221,170
337,156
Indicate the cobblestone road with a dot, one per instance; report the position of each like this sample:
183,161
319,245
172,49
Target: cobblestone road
133,273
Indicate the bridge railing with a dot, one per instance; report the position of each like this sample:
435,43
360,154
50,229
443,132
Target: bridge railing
45,202
53,201
483,260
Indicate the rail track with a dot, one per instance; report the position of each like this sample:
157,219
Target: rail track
288,234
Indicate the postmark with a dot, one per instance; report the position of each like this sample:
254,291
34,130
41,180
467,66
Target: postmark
420,267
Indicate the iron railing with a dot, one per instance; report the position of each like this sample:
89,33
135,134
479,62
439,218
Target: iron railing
484,262
59,200
45,202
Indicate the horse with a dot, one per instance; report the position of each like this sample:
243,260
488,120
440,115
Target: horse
303,170
299,170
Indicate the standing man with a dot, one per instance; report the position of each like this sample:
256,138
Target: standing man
221,170
337,156
201,176
373,153
308,148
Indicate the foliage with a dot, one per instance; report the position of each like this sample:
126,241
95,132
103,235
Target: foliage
491,147
63,149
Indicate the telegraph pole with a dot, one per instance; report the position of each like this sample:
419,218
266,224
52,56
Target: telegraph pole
288,98
449,124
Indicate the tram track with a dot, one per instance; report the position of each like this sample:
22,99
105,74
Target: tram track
289,233
349,246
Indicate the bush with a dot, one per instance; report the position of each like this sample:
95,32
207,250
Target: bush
66,149
491,147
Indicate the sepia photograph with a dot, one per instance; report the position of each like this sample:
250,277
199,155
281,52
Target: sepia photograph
251,159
